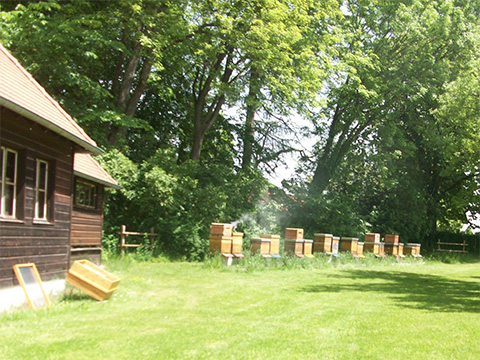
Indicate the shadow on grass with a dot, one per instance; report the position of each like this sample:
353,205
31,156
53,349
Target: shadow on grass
426,292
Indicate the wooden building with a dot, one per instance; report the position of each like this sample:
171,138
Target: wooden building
47,206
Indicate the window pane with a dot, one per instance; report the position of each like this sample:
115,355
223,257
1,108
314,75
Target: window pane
42,176
10,170
41,205
9,200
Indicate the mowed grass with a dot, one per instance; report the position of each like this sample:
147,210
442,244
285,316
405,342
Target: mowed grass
175,310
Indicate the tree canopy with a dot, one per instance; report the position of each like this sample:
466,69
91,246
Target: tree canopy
194,103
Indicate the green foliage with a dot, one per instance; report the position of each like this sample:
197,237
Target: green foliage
179,201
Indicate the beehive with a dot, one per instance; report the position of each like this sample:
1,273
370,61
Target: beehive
335,244
349,244
274,243
412,249
261,245
322,243
372,247
400,250
381,249
294,233
372,237
360,249
220,229
391,249
237,242
294,247
392,239
220,244
308,248
92,279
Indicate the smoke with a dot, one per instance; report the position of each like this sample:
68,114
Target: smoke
244,219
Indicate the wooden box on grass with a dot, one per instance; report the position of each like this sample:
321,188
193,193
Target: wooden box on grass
335,245
237,242
294,247
308,248
392,239
360,249
92,279
382,249
220,229
322,243
349,244
274,243
221,244
391,249
412,249
260,245
372,237
293,233
372,247
400,250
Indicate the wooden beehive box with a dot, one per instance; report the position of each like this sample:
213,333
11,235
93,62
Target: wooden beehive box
220,229
349,244
372,237
220,244
274,243
308,248
322,243
237,242
381,249
412,249
400,250
261,245
391,249
360,249
294,233
92,279
294,247
391,239
335,244
372,247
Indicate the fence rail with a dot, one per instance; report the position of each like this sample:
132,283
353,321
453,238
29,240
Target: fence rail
124,234
456,245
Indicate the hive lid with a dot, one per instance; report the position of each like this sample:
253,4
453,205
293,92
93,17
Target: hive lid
349,238
269,236
294,240
324,235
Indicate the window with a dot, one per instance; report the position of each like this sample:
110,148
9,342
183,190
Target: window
41,190
85,194
8,182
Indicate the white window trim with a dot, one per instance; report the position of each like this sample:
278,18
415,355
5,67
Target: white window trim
3,174
38,190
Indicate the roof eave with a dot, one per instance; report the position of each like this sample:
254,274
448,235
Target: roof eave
97,180
49,125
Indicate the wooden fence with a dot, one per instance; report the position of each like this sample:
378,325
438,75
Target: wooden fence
124,234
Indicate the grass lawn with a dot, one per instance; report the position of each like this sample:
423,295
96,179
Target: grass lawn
175,310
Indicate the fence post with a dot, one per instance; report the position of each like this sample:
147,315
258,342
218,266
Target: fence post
122,238
152,237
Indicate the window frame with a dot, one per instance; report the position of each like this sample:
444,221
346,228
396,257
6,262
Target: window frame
44,190
3,183
92,185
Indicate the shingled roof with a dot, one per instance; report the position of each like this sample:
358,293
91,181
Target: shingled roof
85,166
21,93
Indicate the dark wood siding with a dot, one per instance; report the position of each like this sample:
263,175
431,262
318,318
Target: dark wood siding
45,244
87,224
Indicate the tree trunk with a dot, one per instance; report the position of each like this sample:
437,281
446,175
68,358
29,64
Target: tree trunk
249,127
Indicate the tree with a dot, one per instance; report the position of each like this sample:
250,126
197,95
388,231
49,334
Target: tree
396,57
